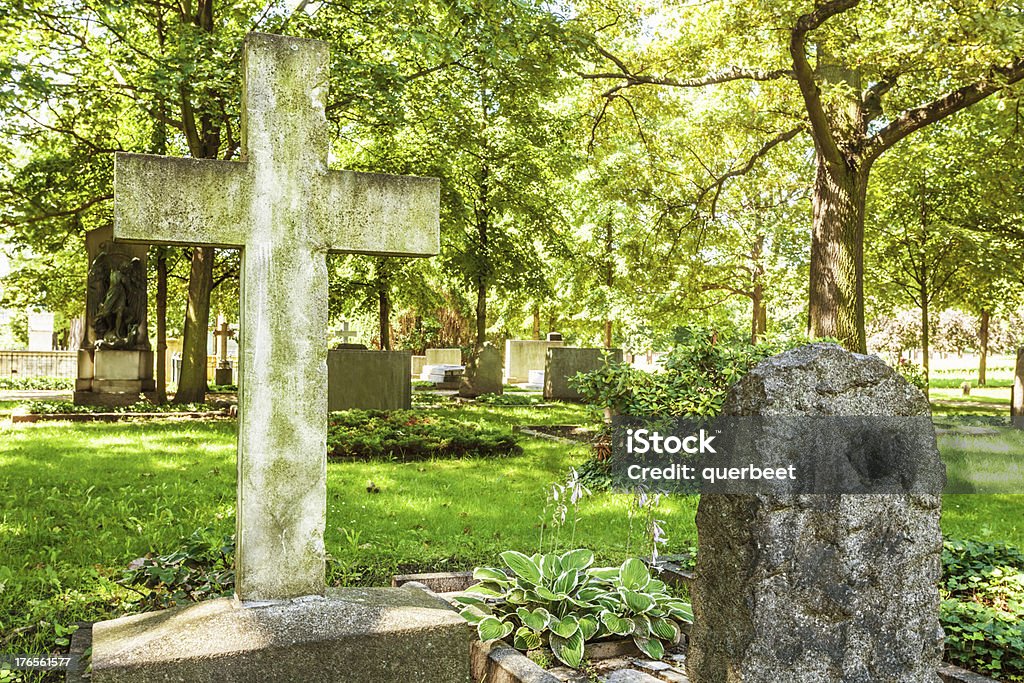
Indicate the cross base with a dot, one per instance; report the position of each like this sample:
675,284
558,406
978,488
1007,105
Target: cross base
352,635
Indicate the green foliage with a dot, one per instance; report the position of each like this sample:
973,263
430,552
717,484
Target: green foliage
983,607
200,569
32,383
561,601
411,435
913,373
509,399
695,378
69,408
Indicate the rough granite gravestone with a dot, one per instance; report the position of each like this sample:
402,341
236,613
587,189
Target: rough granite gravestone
524,355
369,380
483,374
564,362
1017,393
285,210
115,361
821,587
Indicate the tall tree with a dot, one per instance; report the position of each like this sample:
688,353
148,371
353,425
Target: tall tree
858,77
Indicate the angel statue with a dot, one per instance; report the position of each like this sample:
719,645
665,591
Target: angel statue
121,295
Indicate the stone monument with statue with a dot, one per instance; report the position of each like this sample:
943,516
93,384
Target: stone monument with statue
115,360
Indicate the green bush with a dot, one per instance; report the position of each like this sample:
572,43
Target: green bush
694,380
32,383
69,408
562,602
913,373
200,569
983,608
411,435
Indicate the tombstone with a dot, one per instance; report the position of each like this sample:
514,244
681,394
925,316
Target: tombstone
443,376
1017,393
563,363
115,361
285,210
417,365
483,374
224,373
555,336
40,331
368,380
524,355
346,333
823,586
443,357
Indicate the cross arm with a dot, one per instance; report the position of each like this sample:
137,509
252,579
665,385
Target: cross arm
383,215
167,200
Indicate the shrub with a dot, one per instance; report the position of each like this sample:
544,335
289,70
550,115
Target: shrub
983,607
411,435
69,408
31,383
200,569
694,380
913,373
561,602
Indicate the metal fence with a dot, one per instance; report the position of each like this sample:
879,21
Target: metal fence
38,363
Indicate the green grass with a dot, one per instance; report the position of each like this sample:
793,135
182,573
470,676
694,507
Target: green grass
82,500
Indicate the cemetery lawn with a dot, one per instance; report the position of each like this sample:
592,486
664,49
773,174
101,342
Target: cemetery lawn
82,500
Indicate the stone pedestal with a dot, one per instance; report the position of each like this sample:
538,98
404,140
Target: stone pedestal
369,380
113,376
563,363
223,375
355,635
483,375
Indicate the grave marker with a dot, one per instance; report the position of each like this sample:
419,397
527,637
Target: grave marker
824,586
285,209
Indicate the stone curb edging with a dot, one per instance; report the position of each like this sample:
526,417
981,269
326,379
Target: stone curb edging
550,437
954,674
115,417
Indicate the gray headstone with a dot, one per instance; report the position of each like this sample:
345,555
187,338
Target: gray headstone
524,355
821,587
564,362
483,374
554,336
369,380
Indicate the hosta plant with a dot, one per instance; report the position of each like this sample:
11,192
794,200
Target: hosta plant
560,601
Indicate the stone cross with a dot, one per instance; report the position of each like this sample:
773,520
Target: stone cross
346,333
224,331
285,210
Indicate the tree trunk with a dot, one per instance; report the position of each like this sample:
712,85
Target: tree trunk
837,256
481,312
536,321
983,361
161,325
384,298
925,336
192,381
607,334
759,310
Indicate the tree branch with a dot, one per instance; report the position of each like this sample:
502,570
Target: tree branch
824,141
61,214
730,73
950,103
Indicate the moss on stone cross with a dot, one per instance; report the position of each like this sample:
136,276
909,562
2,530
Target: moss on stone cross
285,210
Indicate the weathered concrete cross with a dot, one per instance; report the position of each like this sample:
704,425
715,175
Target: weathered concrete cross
224,332
346,333
286,210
